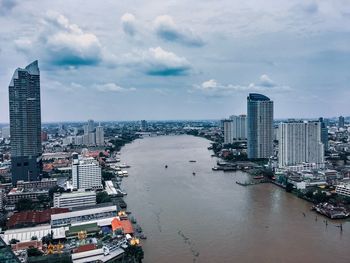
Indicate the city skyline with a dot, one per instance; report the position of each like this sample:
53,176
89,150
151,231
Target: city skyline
174,62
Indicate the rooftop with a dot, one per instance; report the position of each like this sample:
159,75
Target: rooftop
257,97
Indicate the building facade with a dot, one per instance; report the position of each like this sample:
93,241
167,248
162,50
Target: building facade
100,136
25,123
239,127
259,126
300,142
86,173
74,199
228,132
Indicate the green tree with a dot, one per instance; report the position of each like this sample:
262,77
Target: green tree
24,204
14,241
34,252
102,197
106,175
289,187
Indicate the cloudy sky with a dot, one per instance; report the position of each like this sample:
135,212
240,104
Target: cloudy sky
178,59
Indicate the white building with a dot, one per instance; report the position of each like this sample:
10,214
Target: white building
74,199
300,142
228,132
100,137
239,127
93,215
86,173
343,189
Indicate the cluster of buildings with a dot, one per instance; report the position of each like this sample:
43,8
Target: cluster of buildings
75,221
93,136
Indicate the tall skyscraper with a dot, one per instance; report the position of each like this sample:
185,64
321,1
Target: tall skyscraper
259,126
341,122
324,133
25,123
300,142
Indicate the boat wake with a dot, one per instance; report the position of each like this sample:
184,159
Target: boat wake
189,242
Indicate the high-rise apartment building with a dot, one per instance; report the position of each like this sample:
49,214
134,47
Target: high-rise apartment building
239,127
25,123
300,142
100,137
228,133
341,122
86,173
259,126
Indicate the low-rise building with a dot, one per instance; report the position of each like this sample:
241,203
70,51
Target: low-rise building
343,189
87,215
44,184
74,199
17,194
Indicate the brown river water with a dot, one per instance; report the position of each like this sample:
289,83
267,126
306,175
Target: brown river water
209,218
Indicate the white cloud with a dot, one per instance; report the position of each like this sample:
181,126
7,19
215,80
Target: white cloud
112,87
128,22
167,29
157,61
214,88
62,43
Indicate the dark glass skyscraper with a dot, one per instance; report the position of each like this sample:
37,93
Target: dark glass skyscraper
324,133
259,126
25,123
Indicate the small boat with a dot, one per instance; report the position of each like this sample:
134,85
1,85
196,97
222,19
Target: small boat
124,165
193,161
142,236
166,166
258,177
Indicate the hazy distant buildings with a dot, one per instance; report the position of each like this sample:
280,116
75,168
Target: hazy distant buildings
341,122
100,138
300,142
25,123
259,126
5,132
86,173
92,136
143,125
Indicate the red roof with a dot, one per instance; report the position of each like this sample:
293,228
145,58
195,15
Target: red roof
84,248
34,217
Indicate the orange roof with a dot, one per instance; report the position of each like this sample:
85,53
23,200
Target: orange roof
116,224
127,226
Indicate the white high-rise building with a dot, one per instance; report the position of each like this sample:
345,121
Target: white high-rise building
300,142
86,174
228,132
100,137
239,127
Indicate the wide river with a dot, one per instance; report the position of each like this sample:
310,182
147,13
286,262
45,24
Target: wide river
209,218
